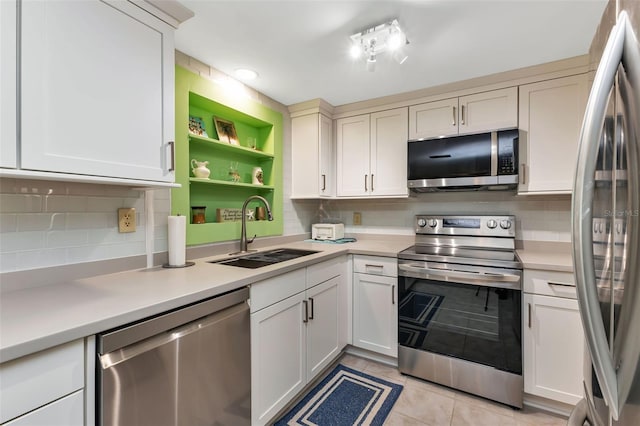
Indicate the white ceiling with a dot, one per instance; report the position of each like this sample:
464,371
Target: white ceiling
300,47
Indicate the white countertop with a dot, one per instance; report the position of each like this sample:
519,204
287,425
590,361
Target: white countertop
547,256
38,318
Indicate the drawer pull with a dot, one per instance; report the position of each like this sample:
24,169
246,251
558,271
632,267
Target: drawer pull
393,294
529,304
306,311
561,284
311,314
371,265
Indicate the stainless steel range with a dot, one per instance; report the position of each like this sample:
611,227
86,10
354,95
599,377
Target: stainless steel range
459,316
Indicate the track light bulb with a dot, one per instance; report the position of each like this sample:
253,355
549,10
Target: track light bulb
355,51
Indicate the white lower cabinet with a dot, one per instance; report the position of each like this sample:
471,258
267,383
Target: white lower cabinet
553,341
67,411
295,338
375,308
46,388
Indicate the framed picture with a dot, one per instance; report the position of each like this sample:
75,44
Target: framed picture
196,126
226,131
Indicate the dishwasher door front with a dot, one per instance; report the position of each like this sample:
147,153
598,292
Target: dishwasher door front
196,374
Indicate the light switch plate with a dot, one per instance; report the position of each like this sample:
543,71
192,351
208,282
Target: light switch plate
126,220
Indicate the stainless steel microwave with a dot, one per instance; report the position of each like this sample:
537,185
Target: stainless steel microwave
470,162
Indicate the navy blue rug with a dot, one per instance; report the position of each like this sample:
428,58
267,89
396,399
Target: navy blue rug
345,397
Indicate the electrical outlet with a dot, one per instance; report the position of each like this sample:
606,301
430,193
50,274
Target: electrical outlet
357,218
127,220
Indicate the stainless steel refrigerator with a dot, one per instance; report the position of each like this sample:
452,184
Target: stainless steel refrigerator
606,223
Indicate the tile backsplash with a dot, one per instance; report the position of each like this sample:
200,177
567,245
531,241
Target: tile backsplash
538,218
46,223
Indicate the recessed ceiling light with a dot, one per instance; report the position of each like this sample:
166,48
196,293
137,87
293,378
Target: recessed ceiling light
246,74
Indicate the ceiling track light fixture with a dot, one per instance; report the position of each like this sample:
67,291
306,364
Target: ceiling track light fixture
381,38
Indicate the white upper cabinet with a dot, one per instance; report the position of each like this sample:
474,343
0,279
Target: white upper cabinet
97,89
551,115
312,157
8,102
476,113
372,154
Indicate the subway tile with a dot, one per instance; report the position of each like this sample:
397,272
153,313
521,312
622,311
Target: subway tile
67,238
65,203
40,259
7,186
105,204
18,241
104,236
28,186
91,220
20,203
40,221
8,262
8,222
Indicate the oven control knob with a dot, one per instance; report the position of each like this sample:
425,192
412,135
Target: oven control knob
422,223
505,224
433,223
491,224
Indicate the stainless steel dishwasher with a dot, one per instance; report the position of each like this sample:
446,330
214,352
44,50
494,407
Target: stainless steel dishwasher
191,366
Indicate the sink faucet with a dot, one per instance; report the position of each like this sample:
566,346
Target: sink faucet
243,232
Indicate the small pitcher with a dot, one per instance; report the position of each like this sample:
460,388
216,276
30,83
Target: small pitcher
199,168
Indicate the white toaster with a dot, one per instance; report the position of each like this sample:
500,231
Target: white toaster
327,231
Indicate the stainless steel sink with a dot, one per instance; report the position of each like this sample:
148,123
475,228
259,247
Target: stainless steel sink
265,258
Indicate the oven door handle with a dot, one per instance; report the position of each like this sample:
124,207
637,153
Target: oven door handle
476,278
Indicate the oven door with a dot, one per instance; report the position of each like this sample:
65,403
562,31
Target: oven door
467,312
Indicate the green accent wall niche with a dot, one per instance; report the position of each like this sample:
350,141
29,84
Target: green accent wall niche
256,125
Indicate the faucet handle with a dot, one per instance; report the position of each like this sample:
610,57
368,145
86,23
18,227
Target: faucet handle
252,238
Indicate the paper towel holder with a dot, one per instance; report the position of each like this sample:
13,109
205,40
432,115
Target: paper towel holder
166,265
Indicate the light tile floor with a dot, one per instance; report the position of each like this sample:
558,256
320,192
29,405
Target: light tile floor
422,403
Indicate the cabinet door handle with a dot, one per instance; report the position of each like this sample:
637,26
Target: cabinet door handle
393,294
372,183
172,145
453,122
365,183
306,311
529,314
523,169
324,182
462,115
311,315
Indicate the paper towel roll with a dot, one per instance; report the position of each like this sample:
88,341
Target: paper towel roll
177,240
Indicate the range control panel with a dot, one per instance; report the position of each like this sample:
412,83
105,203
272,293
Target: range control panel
486,226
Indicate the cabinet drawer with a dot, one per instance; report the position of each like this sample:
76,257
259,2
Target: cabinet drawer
550,283
321,272
68,411
267,292
35,380
375,265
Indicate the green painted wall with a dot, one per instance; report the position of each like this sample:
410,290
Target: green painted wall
205,98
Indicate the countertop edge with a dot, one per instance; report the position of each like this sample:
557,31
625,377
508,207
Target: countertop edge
38,342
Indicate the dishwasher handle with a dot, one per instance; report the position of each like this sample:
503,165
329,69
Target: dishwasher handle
128,335
124,354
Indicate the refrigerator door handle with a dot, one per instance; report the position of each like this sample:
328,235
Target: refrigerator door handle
627,336
581,217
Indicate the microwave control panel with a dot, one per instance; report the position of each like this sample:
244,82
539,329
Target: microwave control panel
507,163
